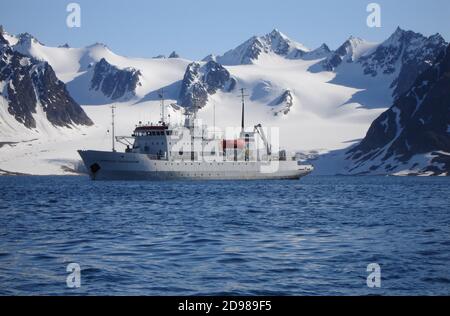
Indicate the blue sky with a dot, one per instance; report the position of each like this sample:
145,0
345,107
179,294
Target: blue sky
195,28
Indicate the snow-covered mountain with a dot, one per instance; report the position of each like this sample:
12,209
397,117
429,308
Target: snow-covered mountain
413,136
31,95
200,81
316,107
174,54
275,42
283,104
113,82
405,53
399,59
318,53
349,52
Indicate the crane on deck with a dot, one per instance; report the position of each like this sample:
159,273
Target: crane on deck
258,129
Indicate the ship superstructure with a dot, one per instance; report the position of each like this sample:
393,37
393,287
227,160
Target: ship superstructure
165,151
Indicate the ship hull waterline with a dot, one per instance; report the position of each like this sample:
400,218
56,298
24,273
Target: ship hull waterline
102,165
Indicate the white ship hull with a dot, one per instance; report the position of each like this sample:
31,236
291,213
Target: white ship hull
137,166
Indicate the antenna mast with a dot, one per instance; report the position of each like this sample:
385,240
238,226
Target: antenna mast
194,116
113,127
242,96
161,95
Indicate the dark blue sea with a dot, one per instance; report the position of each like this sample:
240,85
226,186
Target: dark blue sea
315,236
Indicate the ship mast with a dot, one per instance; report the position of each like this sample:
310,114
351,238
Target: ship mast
113,128
161,95
214,119
242,96
193,117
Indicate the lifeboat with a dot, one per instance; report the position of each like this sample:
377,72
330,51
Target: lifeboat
233,143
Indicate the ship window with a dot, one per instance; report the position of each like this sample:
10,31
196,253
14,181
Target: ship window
181,153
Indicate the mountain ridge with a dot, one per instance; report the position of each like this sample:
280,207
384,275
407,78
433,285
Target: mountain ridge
29,85
417,124
314,108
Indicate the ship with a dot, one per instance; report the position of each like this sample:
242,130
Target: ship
189,151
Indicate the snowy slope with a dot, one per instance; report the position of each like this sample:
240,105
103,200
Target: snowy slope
33,100
74,66
315,109
250,51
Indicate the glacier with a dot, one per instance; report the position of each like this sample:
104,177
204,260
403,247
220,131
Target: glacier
317,108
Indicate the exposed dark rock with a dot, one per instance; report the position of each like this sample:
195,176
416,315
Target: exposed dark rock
193,91
404,55
216,77
283,104
244,54
407,53
320,52
210,57
417,123
60,108
15,71
278,42
201,81
174,55
343,53
3,41
250,50
113,82
29,83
